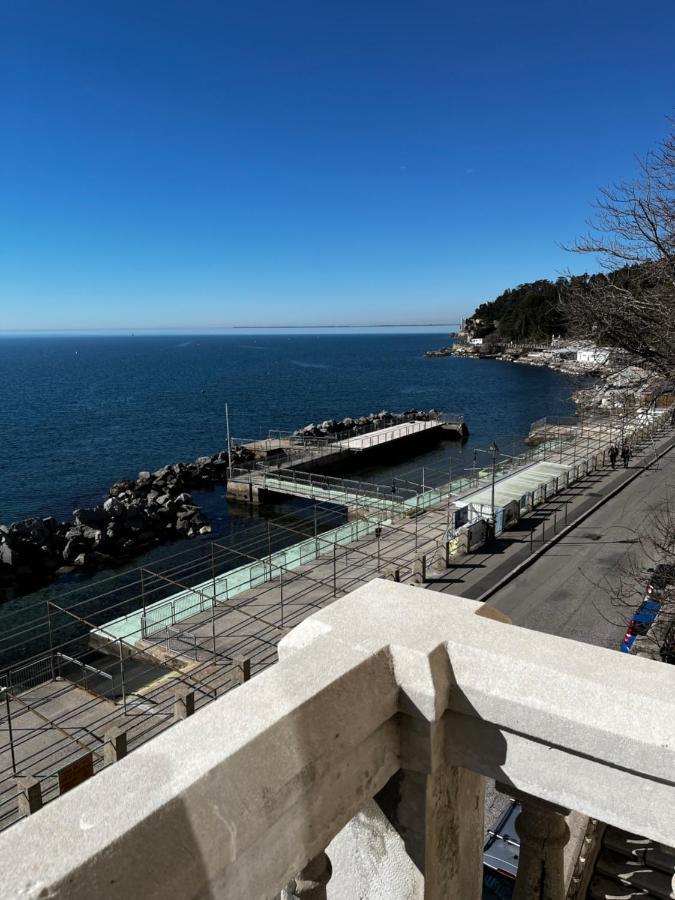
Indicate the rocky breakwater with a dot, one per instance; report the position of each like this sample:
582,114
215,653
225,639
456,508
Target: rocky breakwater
348,427
488,350
139,513
622,390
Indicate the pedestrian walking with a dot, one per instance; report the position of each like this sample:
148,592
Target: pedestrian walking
625,455
613,453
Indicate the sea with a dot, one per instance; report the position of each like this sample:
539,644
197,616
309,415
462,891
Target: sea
82,411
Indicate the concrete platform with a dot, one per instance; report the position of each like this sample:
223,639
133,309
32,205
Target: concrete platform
282,455
361,442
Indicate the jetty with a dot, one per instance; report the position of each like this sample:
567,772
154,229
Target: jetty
298,465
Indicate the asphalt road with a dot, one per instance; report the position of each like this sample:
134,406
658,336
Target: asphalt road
571,590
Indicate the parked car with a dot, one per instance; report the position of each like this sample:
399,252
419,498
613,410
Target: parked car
642,621
500,856
660,578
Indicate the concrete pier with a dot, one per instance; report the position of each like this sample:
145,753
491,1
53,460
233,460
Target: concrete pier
279,458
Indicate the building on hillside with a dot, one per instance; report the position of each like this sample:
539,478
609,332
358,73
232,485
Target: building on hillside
595,356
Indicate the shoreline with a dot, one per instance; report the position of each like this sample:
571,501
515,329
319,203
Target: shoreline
619,383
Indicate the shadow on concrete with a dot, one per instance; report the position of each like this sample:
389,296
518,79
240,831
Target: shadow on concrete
407,797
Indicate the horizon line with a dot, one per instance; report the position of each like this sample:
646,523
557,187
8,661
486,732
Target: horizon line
227,327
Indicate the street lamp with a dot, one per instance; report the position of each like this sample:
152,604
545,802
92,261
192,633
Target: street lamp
494,450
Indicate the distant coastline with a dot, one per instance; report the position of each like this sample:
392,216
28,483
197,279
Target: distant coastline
433,328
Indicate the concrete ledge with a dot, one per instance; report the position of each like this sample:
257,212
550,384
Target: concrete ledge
240,796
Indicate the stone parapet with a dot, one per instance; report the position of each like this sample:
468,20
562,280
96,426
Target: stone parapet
239,799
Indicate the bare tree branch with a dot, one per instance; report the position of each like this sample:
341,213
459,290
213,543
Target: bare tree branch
631,306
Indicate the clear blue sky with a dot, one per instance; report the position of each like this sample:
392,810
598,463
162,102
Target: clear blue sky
194,164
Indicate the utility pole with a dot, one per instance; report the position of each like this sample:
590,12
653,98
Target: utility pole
229,444
494,450
9,727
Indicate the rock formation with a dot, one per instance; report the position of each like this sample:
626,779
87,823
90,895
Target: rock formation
139,513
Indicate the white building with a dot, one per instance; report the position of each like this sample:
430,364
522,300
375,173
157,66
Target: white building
596,356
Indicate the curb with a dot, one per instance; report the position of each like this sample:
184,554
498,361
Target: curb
514,573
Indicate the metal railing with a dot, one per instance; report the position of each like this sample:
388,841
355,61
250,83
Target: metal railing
27,676
365,428
327,487
284,583
277,438
386,435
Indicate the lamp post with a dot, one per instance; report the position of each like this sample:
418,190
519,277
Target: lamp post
494,450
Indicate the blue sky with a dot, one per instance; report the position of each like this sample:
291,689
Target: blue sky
198,164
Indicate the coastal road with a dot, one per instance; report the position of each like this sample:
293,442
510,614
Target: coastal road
571,589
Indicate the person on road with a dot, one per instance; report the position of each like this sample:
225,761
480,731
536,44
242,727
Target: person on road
625,455
613,453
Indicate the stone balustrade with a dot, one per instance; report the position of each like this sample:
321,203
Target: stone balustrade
393,693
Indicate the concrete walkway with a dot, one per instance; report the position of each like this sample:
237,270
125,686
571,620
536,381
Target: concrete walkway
479,574
386,435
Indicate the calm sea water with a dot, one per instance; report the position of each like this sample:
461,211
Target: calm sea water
80,412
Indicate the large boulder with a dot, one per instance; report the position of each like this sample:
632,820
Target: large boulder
95,516
113,506
7,555
72,551
91,535
29,529
187,513
114,530
121,487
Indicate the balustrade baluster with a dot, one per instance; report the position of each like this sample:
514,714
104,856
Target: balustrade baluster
543,834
